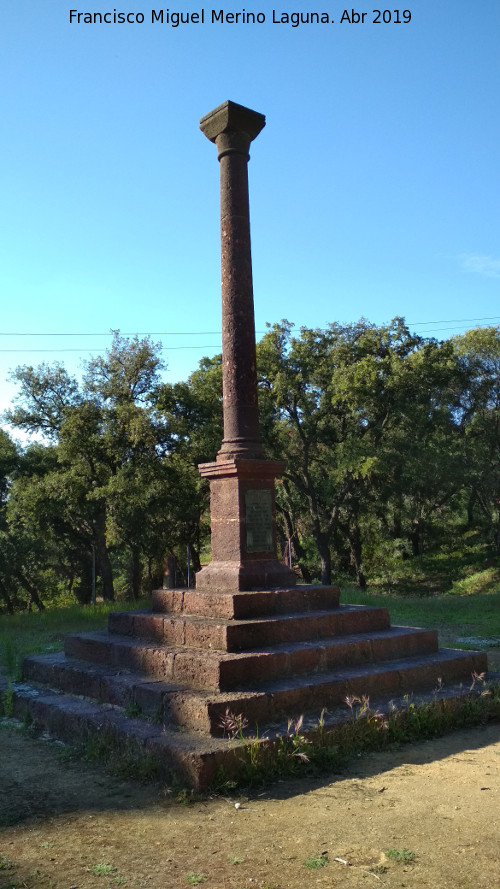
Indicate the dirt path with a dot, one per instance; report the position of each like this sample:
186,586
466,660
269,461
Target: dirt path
62,822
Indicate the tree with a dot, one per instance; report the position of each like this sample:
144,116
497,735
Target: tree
363,417
108,444
192,412
18,562
478,352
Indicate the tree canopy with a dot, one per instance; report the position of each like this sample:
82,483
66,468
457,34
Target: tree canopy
391,442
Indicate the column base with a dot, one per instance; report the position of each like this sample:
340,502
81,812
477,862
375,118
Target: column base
258,574
243,527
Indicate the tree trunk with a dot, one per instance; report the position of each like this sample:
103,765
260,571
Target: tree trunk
33,593
103,560
323,546
82,590
396,530
169,572
5,596
135,574
470,509
195,559
297,548
356,547
415,539
342,552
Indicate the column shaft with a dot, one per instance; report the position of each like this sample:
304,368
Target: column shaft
241,419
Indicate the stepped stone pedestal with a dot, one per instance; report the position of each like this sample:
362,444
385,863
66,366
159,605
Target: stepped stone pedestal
266,656
247,642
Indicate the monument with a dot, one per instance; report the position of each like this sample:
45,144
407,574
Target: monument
242,505
247,641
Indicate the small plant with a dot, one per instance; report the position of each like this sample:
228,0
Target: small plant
7,702
360,708
378,869
195,879
316,861
11,818
233,725
405,855
133,710
11,658
235,860
103,870
5,863
124,761
477,677
181,795
294,744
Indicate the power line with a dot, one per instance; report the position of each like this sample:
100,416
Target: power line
89,349
452,321
125,333
219,332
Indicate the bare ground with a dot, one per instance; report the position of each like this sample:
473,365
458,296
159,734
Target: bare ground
438,800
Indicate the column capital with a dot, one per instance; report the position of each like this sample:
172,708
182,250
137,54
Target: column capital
232,127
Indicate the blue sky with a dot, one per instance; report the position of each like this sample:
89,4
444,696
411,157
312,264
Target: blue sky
374,187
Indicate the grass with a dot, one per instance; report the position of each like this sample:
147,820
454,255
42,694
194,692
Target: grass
454,616
316,862
7,702
124,761
103,870
43,632
404,855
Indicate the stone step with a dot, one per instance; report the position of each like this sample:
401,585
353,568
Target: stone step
176,705
223,671
222,634
103,684
113,683
245,605
193,759
310,694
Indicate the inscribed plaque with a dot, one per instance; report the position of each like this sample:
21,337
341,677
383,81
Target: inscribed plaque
258,521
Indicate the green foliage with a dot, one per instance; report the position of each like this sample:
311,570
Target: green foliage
371,423
316,862
122,760
195,879
102,485
10,658
7,702
40,632
133,710
404,855
478,582
103,870
391,443
478,615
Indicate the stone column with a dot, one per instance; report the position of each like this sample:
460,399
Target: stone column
233,127
242,510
